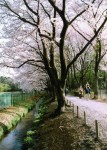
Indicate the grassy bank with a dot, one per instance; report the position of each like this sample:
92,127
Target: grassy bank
32,134
10,116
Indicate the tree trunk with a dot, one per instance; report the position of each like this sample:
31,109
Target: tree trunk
53,94
96,87
96,82
60,95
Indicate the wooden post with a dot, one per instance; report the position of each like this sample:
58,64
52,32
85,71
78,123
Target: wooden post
73,110
67,101
96,128
70,103
77,112
84,118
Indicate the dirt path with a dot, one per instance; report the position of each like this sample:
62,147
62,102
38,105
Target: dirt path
95,110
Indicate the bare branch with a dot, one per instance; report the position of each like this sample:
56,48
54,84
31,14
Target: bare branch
25,62
29,8
17,15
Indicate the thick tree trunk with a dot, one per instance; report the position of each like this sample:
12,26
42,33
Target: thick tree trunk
60,95
53,94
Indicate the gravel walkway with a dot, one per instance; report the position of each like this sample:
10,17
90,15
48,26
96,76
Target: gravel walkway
95,110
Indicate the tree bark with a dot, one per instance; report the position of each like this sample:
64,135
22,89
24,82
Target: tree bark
60,95
96,86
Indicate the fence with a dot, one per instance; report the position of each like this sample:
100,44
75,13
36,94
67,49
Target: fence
13,98
98,126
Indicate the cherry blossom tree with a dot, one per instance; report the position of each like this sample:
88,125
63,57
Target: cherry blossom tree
93,20
39,35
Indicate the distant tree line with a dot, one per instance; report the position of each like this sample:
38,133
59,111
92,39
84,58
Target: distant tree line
7,84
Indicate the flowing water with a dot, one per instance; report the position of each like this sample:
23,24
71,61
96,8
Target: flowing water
14,140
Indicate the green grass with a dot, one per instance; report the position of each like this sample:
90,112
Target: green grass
31,134
9,117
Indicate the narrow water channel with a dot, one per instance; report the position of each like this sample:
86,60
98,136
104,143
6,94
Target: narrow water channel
14,139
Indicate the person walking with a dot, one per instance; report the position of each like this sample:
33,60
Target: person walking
80,91
87,90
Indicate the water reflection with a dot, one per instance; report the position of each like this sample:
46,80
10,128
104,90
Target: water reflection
14,140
